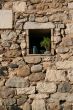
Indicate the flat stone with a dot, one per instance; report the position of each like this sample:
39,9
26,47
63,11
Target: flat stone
46,87
6,19
36,68
19,6
55,75
35,1
23,71
35,25
34,77
26,90
38,105
38,96
64,64
17,82
32,60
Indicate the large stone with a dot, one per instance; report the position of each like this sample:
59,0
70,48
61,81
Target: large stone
64,64
55,75
6,19
46,87
17,82
36,77
26,90
23,71
36,68
38,105
34,25
32,60
19,6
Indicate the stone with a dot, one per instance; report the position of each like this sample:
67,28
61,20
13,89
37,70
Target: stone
32,60
17,82
23,71
26,90
19,6
70,75
38,96
32,18
64,87
54,106
6,20
38,105
70,5
13,65
55,75
6,92
2,82
64,64
41,19
57,39
34,77
8,36
35,25
21,100
9,101
23,45
67,107
46,87
69,28
26,106
36,68
7,5
35,1
46,65
14,46
62,50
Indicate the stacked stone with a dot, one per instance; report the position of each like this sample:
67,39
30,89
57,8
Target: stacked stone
36,82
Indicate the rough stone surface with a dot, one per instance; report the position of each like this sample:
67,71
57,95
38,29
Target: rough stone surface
5,19
46,87
36,68
38,96
38,105
26,106
17,82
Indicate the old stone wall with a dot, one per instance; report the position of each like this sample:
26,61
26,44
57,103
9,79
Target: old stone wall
36,82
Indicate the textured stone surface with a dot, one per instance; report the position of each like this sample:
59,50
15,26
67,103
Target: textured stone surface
26,106
6,19
38,105
38,96
46,87
55,75
36,68
17,82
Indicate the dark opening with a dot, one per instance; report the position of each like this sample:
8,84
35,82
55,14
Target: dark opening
35,38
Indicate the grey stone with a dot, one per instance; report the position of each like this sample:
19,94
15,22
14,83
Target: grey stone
62,49
22,99
32,18
65,87
13,65
34,25
6,19
17,82
38,105
36,68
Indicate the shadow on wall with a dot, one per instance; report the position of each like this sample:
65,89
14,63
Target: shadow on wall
14,107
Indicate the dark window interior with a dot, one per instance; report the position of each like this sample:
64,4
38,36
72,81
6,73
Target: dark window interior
35,37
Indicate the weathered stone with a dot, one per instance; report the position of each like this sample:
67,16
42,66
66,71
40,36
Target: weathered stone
26,90
2,82
36,68
23,71
7,5
14,46
17,82
46,65
64,87
41,19
55,75
70,5
70,75
38,96
26,106
19,6
9,101
22,99
46,87
38,105
23,45
36,77
7,92
64,65
13,65
6,19
32,60
62,49
34,25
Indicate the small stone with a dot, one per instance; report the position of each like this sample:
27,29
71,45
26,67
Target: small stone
26,106
62,50
32,60
45,87
32,18
57,39
21,100
38,105
23,45
36,68
35,1
13,65
23,71
41,19
54,106
65,87
14,46
17,82
26,90
34,77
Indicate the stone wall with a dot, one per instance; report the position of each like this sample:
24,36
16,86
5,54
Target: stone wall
36,82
